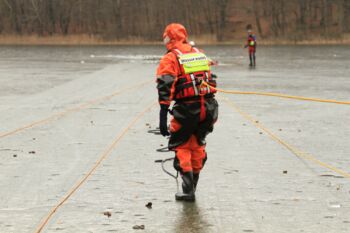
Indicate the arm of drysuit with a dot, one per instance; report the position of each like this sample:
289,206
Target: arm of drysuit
213,62
213,76
246,45
166,78
164,86
255,46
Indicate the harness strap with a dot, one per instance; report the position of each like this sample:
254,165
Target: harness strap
177,51
202,114
207,80
196,91
195,49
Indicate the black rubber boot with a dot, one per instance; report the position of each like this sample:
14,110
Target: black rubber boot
187,188
195,181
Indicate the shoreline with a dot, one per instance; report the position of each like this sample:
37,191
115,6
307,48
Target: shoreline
93,41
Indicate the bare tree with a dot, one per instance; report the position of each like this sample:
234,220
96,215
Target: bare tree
146,19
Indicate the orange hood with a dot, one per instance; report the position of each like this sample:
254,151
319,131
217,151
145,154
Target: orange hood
177,34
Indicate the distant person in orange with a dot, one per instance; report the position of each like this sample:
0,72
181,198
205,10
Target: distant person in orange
179,79
251,45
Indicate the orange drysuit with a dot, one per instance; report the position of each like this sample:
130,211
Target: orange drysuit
193,115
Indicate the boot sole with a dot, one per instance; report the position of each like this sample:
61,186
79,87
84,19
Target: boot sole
185,198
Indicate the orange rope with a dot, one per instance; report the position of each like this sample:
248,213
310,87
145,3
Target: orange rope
291,148
277,95
70,110
98,162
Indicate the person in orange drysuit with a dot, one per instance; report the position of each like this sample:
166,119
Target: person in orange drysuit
251,44
179,78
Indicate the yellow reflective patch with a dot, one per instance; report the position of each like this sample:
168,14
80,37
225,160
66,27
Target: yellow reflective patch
252,43
194,62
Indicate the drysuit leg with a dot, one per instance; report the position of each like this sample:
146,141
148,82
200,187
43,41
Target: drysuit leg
190,156
252,56
198,159
183,163
254,59
187,139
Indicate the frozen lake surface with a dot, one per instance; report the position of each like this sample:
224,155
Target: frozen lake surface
63,107
29,69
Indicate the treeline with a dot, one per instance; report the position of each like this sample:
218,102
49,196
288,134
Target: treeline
218,20
302,19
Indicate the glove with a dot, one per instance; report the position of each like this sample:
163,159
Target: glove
163,118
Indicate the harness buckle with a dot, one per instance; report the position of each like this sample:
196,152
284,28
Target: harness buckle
202,86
